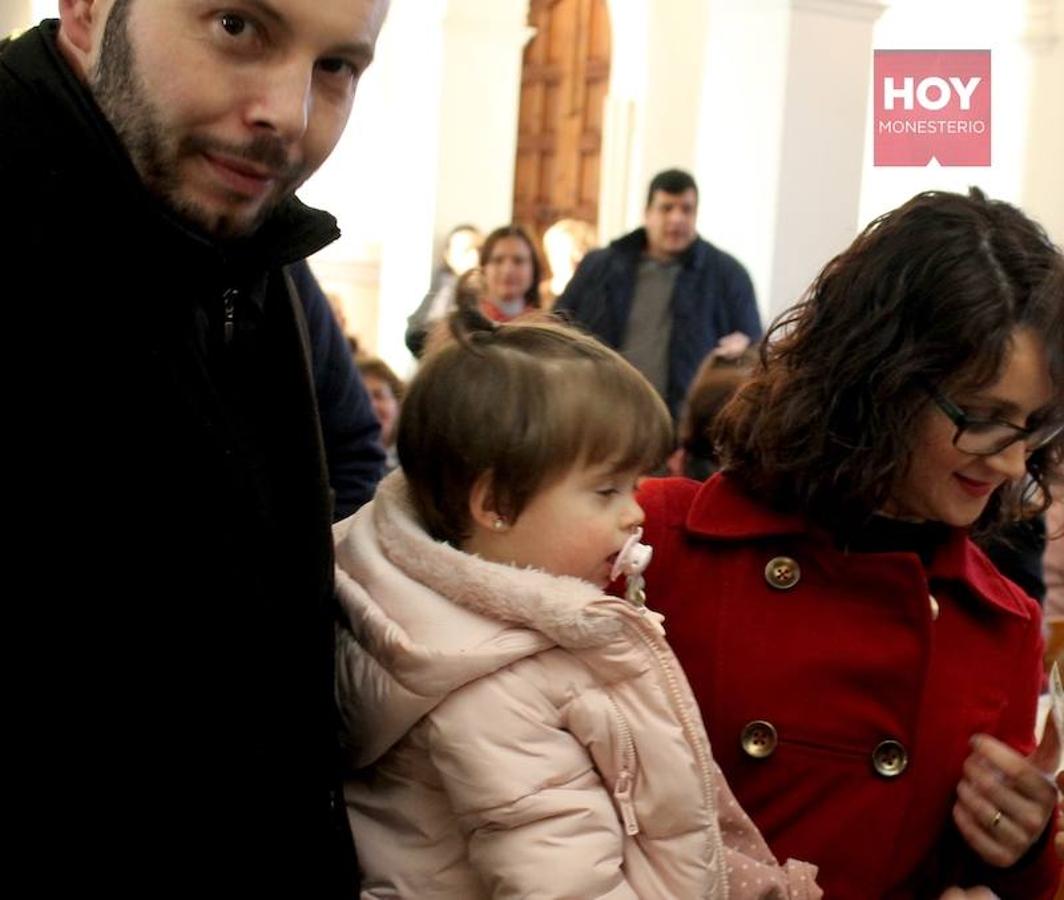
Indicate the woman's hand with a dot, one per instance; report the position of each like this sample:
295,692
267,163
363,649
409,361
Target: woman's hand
1004,800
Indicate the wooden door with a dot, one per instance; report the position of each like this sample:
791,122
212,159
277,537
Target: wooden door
563,89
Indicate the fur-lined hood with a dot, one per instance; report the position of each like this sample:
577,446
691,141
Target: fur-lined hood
427,618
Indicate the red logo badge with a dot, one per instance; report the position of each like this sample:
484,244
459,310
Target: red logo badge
932,103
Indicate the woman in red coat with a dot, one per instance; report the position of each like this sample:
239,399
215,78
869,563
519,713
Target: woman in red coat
868,679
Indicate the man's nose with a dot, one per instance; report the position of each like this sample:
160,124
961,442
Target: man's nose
283,100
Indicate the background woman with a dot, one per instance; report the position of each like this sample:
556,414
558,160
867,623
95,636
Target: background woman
385,390
511,274
868,679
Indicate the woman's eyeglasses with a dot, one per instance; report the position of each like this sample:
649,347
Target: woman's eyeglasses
987,437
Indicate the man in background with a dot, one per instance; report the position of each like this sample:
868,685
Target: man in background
661,295
171,723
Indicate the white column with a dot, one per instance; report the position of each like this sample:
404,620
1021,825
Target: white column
479,95
741,140
823,136
1043,187
623,131
784,118
448,142
676,62
656,73
407,140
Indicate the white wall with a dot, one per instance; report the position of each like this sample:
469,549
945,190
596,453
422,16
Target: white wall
741,119
16,15
623,153
480,92
1043,183
675,68
825,109
960,25
783,114
44,9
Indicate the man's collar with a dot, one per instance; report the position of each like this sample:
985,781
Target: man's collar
292,232
635,243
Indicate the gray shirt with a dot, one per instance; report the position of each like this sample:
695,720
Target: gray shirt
646,339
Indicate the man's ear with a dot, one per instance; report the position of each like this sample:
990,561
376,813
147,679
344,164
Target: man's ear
482,509
76,23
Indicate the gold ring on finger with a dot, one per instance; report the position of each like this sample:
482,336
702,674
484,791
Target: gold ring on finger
996,820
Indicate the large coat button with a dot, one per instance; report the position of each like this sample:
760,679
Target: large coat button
759,739
782,573
889,759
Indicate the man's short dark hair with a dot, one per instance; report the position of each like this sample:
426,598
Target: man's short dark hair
671,181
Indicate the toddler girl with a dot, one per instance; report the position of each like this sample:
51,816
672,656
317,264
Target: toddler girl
517,732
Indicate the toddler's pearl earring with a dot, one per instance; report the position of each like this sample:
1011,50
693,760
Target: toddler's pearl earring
499,524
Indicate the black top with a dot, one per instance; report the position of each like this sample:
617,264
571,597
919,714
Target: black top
1016,551
883,534
170,716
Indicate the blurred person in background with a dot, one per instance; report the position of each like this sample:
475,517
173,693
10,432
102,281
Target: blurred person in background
565,244
661,295
511,271
461,252
721,374
386,391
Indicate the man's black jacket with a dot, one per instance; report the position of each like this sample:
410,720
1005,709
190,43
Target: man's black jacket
169,615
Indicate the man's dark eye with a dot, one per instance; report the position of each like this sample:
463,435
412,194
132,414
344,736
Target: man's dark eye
334,66
234,24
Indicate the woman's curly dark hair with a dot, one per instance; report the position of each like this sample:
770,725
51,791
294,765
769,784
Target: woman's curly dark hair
928,294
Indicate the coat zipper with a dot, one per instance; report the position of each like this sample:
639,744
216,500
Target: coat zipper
229,314
714,841
622,789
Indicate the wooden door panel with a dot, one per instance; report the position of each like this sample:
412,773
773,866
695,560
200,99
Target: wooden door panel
596,102
564,80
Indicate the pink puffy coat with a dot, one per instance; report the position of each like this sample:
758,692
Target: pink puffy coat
519,734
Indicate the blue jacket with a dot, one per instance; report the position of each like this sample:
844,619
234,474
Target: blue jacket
353,449
713,296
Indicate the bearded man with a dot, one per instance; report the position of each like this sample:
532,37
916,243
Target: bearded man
171,723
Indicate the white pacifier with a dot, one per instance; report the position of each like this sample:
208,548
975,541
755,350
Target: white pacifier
632,562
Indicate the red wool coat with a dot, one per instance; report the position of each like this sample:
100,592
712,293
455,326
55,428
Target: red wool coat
838,703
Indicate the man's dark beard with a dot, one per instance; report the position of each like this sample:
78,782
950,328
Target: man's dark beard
124,102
